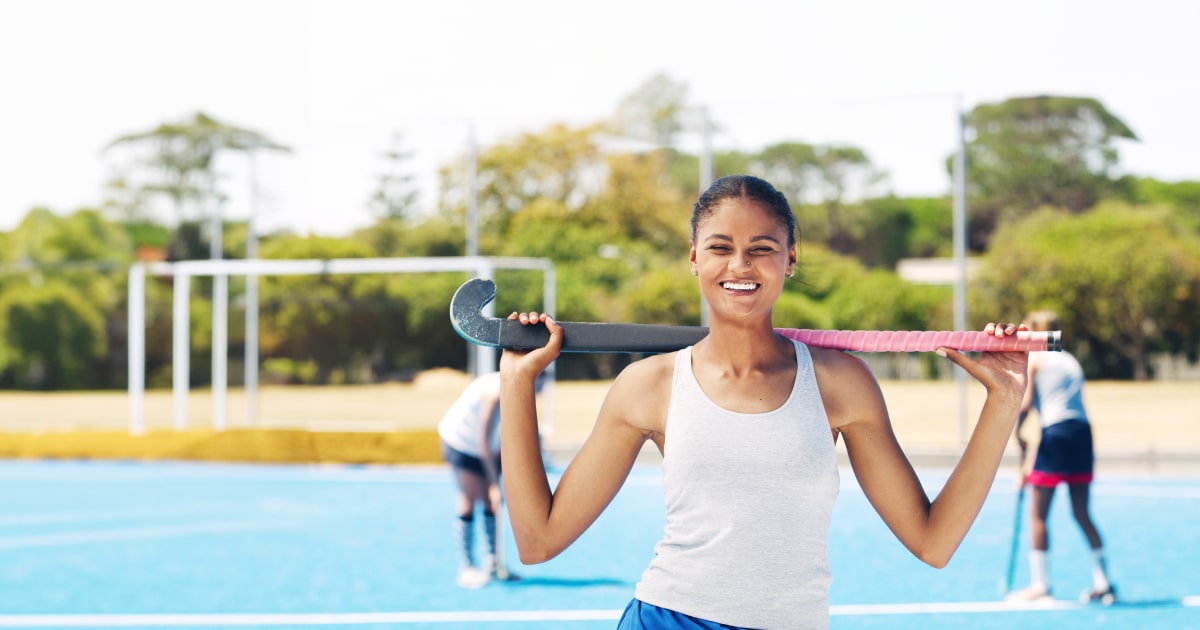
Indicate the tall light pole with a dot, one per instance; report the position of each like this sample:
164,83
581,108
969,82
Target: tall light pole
481,359
250,369
706,179
472,194
220,302
960,258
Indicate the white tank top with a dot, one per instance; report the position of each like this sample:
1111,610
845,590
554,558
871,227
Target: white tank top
1058,388
748,504
461,427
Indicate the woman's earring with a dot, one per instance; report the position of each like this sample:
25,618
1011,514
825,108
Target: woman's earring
792,272
695,272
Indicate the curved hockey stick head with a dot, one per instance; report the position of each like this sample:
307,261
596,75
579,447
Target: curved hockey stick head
466,312
471,324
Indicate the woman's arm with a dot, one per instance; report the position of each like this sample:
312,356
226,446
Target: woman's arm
932,530
545,521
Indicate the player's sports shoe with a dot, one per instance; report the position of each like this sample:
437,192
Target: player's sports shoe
497,571
1093,595
1031,593
472,577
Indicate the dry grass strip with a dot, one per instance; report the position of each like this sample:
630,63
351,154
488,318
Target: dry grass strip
235,445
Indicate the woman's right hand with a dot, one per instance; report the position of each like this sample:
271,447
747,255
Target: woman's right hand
532,362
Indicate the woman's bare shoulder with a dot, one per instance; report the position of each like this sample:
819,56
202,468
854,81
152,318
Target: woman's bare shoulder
838,363
641,394
848,388
652,372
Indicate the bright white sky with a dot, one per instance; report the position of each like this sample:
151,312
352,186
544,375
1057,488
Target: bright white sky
334,79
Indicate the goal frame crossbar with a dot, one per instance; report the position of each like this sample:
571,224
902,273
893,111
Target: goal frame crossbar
183,271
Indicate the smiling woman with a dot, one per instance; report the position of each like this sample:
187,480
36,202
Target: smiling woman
747,422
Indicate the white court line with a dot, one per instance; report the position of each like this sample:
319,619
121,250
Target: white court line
485,616
852,610
137,533
303,619
1146,492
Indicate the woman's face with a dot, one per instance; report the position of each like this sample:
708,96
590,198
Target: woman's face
741,255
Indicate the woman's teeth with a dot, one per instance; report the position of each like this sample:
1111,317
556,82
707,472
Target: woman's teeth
739,286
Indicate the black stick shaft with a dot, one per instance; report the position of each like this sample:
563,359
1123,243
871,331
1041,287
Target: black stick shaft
602,337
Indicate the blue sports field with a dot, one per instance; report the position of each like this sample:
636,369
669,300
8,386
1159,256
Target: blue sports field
127,544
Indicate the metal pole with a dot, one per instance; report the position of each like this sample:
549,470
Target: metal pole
250,369
479,357
137,348
485,357
472,195
180,330
220,350
706,179
220,309
960,258
706,154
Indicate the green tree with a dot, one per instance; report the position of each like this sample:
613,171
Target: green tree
655,115
906,227
838,291
793,168
639,204
558,164
395,195
1039,151
656,112
50,335
82,250
318,319
432,236
1183,197
824,178
393,201
44,238
180,163
1124,281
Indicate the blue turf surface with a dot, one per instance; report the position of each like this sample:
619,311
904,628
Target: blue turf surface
125,544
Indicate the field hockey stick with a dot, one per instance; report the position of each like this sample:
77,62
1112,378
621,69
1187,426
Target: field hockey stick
468,320
1007,584
498,557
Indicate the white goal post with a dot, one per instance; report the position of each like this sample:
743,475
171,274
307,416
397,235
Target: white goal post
220,270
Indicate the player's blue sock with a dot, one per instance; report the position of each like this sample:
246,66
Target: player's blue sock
465,526
489,528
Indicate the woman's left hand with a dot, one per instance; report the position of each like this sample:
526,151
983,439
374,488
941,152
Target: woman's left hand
997,371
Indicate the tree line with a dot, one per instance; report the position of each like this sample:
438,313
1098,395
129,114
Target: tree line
1050,226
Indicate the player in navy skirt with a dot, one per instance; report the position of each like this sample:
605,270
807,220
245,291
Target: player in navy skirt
1064,455
470,437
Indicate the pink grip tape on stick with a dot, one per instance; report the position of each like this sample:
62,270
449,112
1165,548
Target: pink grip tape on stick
924,340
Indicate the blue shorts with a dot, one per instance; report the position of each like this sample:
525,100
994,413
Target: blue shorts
1065,455
459,459
639,615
